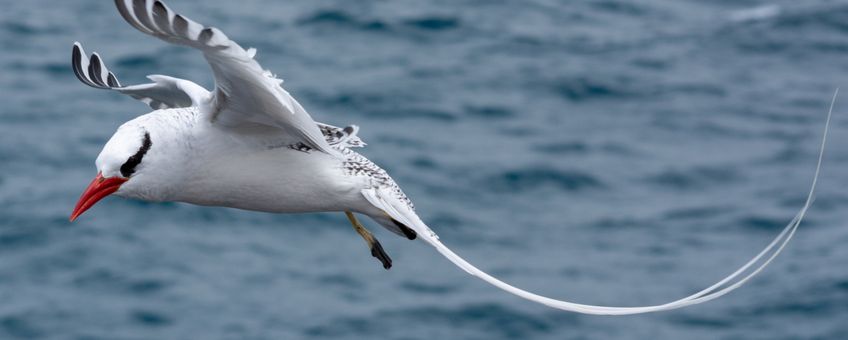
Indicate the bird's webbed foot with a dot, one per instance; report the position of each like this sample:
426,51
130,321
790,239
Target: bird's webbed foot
378,252
375,246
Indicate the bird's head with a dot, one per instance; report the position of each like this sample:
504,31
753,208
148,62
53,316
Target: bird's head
120,166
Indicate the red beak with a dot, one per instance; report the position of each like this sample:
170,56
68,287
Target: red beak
100,187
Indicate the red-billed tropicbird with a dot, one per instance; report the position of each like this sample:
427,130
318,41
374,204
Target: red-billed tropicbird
250,145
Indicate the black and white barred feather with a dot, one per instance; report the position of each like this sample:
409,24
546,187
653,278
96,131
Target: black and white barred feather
168,92
163,93
356,164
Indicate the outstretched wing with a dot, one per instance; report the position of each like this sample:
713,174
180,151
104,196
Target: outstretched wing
164,92
168,92
245,94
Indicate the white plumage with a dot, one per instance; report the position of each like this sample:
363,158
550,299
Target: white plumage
249,144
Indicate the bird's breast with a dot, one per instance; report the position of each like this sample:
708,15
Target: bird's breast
279,180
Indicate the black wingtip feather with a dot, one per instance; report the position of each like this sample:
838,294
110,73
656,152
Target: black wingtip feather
77,56
142,15
128,16
95,70
113,81
76,63
180,25
161,17
93,74
206,35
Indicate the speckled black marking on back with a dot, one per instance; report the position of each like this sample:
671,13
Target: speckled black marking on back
338,138
357,165
128,168
299,146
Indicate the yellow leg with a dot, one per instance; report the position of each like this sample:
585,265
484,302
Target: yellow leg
376,249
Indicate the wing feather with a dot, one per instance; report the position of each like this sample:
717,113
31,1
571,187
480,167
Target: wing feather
163,92
344,137
169,92
245,94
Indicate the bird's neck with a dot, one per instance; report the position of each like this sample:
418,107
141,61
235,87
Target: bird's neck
174,135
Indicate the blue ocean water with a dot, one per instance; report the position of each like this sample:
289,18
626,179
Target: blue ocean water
603,152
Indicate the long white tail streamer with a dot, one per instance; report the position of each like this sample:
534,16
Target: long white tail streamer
730,283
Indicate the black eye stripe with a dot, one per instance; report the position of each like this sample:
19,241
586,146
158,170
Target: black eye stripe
129,166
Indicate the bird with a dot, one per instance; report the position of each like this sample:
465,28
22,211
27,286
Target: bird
248,144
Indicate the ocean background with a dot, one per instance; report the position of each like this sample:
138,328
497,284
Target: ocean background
605,152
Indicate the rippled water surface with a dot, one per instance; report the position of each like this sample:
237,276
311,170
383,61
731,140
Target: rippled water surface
604,152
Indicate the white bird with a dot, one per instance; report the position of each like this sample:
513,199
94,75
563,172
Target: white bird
249,144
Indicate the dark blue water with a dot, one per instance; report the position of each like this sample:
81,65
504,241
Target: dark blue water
604,152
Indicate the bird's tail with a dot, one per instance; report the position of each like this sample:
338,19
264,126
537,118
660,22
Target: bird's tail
722,287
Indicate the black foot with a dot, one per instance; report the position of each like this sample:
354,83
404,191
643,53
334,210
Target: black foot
378,252
407,231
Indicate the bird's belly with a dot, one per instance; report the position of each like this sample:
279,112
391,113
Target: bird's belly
278,180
